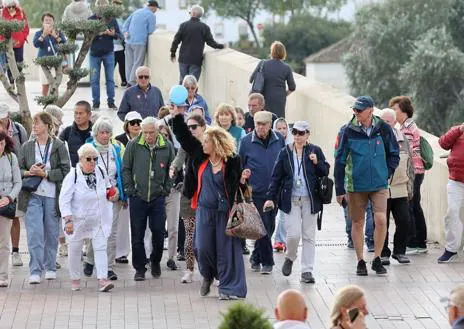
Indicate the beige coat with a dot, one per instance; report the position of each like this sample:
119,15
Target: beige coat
401,183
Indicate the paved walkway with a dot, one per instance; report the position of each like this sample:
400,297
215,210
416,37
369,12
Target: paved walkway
408,297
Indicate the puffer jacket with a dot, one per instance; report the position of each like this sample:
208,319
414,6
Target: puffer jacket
402,180
454,140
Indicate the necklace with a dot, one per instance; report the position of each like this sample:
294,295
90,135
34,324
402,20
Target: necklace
215,164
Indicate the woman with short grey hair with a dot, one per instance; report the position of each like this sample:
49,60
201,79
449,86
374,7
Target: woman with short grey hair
110,153
191,84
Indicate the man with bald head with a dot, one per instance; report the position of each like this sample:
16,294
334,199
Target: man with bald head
291,310
455,308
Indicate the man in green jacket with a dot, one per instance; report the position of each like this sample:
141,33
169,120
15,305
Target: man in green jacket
146,181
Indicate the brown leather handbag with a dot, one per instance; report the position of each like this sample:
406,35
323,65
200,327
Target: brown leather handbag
244,220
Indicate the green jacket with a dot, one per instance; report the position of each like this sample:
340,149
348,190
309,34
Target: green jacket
145,171
60,166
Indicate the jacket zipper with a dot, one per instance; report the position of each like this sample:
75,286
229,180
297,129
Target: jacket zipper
149,174
306,178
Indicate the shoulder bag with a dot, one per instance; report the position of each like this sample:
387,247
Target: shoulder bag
258,81
31,183
9,211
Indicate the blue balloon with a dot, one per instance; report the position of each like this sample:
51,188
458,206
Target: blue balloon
178,94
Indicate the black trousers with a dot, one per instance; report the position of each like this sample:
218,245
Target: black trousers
417,227
155,211
399,208
120,60
263,253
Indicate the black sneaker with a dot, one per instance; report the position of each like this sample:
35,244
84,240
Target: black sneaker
245,250
112,106
181,256
122,260
88,269
402,259
205,287
124,84
361,270
385,260
139,276
155,270
307,277
112,276
95,107
287,267
378,267
172,265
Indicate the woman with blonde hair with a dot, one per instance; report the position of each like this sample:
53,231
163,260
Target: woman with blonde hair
212,186
277,76
225,117
347,302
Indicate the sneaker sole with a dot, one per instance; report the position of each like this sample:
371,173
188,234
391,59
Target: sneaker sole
451,259
361,273
106,288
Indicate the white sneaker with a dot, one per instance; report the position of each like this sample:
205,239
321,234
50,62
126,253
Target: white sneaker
3,283
188,277
34,279
50,275
217,283
63,250
16,259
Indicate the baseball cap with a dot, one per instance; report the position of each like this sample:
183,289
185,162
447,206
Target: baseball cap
4,109
133,115
152,3
301,126
363,102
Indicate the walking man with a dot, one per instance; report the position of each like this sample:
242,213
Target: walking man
366,158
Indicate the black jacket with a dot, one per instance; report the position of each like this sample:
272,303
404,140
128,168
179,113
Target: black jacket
193,34
75,140
122,139
103,44
196,156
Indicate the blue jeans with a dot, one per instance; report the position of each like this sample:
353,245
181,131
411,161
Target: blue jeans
281,232
42,227
369,230
95,66
189,69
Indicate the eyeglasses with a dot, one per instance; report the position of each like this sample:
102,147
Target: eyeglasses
89,159
297,132
135,122
193,127
146,77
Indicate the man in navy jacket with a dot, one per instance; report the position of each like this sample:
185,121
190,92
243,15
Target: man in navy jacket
259,151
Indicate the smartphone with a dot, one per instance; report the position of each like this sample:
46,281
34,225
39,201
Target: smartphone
353,314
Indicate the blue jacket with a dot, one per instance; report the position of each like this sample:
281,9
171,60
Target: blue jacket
200,101
118,154
260,160
281,186
365,163
146,103
140,25
49,45
104,44
459,324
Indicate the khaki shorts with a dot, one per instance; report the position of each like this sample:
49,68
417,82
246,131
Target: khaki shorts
357,203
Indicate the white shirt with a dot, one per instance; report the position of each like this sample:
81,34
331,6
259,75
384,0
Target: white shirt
46,188
107,162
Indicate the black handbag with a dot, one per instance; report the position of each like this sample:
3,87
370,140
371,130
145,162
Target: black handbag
258,81
8,211
31,184
325,189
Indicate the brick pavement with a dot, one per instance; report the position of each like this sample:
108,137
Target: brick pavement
408,297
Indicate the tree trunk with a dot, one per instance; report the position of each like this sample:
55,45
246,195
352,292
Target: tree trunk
71,86
253,32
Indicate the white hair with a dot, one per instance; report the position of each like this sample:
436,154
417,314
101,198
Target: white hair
55,111
190,81
149,121
142,68
87,149
102,124
197,11
388,111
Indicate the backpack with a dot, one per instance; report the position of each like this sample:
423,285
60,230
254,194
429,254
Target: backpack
426,153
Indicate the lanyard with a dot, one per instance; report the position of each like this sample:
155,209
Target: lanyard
44,156
107,163
298,163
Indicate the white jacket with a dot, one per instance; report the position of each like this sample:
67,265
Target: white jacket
90,209
290,324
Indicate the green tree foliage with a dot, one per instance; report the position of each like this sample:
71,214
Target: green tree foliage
305,35
299,7
242,315
411,47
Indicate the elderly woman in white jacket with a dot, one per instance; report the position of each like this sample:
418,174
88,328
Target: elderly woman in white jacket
87,211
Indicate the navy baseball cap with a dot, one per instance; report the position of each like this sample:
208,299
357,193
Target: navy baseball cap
363,102
152,3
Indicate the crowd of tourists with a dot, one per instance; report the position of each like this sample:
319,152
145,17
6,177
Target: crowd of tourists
179,167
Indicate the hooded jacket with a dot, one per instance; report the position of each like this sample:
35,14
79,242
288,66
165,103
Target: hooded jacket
289,138
76,11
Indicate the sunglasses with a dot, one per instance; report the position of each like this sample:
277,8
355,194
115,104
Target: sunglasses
135,122
191,88
297,132
11,7
89,159
193,127
146,77
358,110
